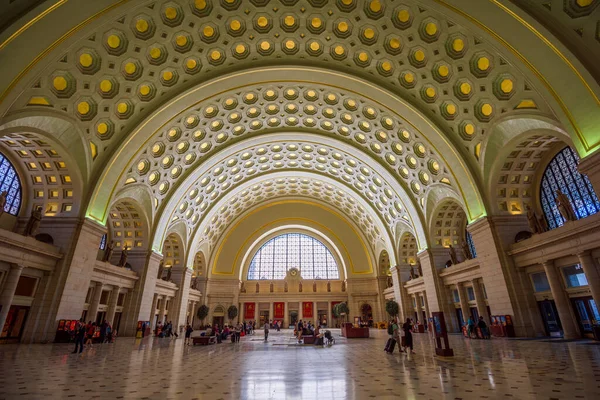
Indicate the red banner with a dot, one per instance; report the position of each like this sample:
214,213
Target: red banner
333,303
249,310
278,310
307,309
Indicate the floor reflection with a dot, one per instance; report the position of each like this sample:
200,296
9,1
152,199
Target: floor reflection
281,369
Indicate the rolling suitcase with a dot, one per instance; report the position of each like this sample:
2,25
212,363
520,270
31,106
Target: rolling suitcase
390,345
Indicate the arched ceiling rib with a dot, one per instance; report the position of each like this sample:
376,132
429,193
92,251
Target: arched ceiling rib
282,185
124,69
322,156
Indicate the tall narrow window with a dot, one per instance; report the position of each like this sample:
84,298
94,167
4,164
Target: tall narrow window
278,255
561,174
470,243
9,182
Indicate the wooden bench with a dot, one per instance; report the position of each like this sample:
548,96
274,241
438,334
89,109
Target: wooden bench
204,340
309,339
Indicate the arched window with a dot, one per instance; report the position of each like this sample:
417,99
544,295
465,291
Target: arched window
562,174
9,182
278,255
470,243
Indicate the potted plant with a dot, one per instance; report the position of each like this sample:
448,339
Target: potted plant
341,310
232,312
392,308
202,312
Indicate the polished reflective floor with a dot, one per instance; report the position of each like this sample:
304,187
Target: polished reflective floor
281,369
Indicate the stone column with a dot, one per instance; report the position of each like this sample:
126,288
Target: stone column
193,312
400,294
329,315
426,305
591,273
163,309
431,280
493,237
153,312
271,311
563,306
142,294
480,301
464,302
419,306
180,302
8,291
112,304
93,310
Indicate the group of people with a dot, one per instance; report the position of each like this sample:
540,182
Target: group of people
85,333
472,328
402,334
165,330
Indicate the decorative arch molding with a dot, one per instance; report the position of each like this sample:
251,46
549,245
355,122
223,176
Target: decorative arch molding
47,151
340,256
435,196
112,176
515,158
229,251
128,225
407,208
218,220
521,39
179,229
448,223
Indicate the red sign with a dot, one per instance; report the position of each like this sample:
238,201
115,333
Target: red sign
249,310
307,309
278,310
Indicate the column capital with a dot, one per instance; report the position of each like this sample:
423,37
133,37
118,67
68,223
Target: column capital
584,253
17,267
548,263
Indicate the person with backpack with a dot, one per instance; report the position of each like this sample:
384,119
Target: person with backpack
79,336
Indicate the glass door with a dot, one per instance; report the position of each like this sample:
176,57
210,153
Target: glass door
550,317
459,317
15,322
586,312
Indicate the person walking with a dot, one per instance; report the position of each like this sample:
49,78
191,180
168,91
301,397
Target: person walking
79,336
407,327
483,328
90,329
470,327
266,330
188,334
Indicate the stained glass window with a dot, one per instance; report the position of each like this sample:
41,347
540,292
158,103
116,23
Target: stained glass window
103,242
278,255
470,243
9,182
562,174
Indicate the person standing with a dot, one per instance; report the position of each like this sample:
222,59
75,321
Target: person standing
188,333
90,329
266,330
408,335
79,336
470,327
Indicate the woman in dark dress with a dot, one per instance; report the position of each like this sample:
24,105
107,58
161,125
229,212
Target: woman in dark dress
407,327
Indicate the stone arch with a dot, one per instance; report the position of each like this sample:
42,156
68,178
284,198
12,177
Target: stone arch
53,175
408,249
128,225
448,224
515,160
199,266
384,263
173,250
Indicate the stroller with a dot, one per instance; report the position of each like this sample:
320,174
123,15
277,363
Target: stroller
329,337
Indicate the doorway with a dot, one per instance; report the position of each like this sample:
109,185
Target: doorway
550,318
459,318
15,322
293,317
474,314
219,321
586,312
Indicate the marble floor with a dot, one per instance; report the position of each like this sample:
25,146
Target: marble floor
281,369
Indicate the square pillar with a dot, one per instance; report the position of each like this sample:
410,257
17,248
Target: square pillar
112,305
180,302
590,269
464,303
93,310
142,295
8,291
561,300
493,237
153,312
400,294
480,301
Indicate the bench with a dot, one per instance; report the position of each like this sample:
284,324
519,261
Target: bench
309,339
204,340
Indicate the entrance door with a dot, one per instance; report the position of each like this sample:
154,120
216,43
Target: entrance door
459,318
323,318
585,313
293,317
15,322
550,317
219,320
264,318
475,314
117,321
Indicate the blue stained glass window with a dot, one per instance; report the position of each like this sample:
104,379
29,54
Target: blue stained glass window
470,243
9,182
103,242
562,174
278,255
